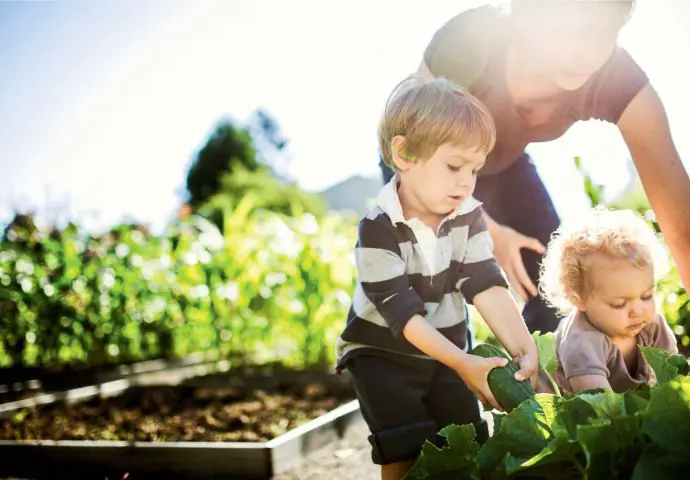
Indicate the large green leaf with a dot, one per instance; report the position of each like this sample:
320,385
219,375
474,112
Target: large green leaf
498,419
611,446
680,362
546,349
558,460
657,464
637,400
524,433
457,460
667,418
573,411
606,404
665,366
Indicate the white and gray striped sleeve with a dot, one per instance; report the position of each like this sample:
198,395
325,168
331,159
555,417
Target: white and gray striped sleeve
382,274
480,270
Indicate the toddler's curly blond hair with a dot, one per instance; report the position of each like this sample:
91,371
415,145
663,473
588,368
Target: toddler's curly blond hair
618,234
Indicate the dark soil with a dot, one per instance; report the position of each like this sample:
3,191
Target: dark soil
220,408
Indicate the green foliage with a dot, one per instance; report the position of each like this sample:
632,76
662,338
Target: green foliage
546,351
269,288
267,193
640,434
228,147
665,366
237,161
457,459
594,192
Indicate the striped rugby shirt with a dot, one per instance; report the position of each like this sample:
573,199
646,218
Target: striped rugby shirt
404,268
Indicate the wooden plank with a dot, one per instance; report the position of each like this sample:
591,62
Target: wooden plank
231,459
106,389
255,460
292,448
147,369
169,376
245,460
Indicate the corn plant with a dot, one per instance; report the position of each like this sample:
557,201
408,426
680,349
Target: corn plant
269,287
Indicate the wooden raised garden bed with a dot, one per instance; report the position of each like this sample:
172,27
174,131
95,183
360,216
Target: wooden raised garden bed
249,425
17,383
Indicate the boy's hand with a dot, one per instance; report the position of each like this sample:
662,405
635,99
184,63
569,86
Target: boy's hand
529,365
474,372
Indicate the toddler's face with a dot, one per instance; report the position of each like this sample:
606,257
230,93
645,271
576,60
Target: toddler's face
621,301
446,180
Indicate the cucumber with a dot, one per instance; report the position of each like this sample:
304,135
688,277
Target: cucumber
507,391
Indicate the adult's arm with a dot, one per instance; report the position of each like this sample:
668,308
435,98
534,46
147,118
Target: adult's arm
645,129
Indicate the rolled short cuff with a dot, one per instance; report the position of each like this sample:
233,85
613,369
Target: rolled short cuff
402,443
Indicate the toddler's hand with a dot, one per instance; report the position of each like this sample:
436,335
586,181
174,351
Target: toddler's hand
474,373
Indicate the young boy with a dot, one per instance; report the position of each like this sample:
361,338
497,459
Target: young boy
423,252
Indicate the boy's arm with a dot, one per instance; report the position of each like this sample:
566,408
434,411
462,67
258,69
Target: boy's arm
498,308
483,284
471,368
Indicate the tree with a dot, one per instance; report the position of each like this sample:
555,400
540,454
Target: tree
260,144
237,161
227,147
269,141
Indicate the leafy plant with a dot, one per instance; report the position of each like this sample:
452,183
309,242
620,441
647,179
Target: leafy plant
268,288
640,434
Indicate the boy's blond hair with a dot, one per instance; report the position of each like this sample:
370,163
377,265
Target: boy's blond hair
617,234
430,113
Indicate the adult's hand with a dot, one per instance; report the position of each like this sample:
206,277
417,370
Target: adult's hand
507,246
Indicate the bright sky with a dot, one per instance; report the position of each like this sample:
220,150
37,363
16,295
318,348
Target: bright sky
104,103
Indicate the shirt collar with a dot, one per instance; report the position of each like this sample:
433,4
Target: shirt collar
389,201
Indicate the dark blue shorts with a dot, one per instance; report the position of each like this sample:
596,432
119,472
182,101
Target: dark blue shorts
516,197
407,400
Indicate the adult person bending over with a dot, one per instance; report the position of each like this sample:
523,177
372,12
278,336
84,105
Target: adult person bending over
539,67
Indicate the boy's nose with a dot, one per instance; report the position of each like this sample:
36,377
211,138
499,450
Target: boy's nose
466,181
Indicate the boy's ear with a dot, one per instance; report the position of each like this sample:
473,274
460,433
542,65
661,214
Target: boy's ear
399,153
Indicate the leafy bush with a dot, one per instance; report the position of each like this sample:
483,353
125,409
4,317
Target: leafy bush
639,434
267,191
270,288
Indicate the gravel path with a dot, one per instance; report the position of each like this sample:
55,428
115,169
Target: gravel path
349,459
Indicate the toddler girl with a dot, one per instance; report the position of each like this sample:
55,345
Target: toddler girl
601,271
